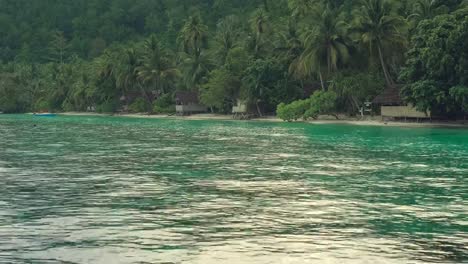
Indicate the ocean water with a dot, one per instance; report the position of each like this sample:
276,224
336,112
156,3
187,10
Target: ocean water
126,190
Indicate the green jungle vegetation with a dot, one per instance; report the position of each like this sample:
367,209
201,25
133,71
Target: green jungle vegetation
78,55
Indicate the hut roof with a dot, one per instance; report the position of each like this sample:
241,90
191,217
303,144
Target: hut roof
186,97
390,96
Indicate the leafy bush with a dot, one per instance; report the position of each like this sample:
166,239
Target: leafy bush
320,102
293,111
139,106
164,105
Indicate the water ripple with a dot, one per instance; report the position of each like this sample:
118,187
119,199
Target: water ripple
116,190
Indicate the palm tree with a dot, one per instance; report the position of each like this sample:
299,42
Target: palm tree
426,9
107,67
59,84
260,26
227,37
289,44
195,63
325,47
82,92
301,8
195,69
252,82
379,27
157,69
193,35
127,75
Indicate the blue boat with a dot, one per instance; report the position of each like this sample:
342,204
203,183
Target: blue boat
45,115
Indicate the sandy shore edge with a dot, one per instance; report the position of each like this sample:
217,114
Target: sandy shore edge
374,122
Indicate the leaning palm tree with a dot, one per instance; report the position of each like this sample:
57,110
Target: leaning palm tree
157,69
325,47
378,26
193,36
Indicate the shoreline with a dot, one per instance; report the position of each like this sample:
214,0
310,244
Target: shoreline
346,121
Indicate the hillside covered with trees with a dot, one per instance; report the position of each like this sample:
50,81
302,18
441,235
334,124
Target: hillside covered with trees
59,55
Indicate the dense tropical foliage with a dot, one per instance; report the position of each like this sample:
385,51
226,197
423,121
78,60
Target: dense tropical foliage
437,66
129,55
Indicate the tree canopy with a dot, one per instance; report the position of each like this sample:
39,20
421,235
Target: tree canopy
437,66
108,55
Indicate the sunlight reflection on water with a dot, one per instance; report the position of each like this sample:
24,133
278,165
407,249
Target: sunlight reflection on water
111,190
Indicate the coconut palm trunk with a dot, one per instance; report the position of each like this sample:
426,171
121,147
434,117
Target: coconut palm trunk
388,78
322,83
329,59
258,108
145,94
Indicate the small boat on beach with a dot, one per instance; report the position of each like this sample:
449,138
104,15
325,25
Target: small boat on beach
45,114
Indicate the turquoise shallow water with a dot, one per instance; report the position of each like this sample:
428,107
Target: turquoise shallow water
121,190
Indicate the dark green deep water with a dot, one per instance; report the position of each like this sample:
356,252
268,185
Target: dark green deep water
121,190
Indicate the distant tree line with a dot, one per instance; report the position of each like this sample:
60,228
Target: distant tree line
104,54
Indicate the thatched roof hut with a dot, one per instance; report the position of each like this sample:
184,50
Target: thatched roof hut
390,96
186,98
393,106
188,103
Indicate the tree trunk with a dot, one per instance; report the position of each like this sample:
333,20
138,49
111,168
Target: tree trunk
329,66
388,78
321,80
265,4
355,104
127,102
147,97
258,109
161,87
